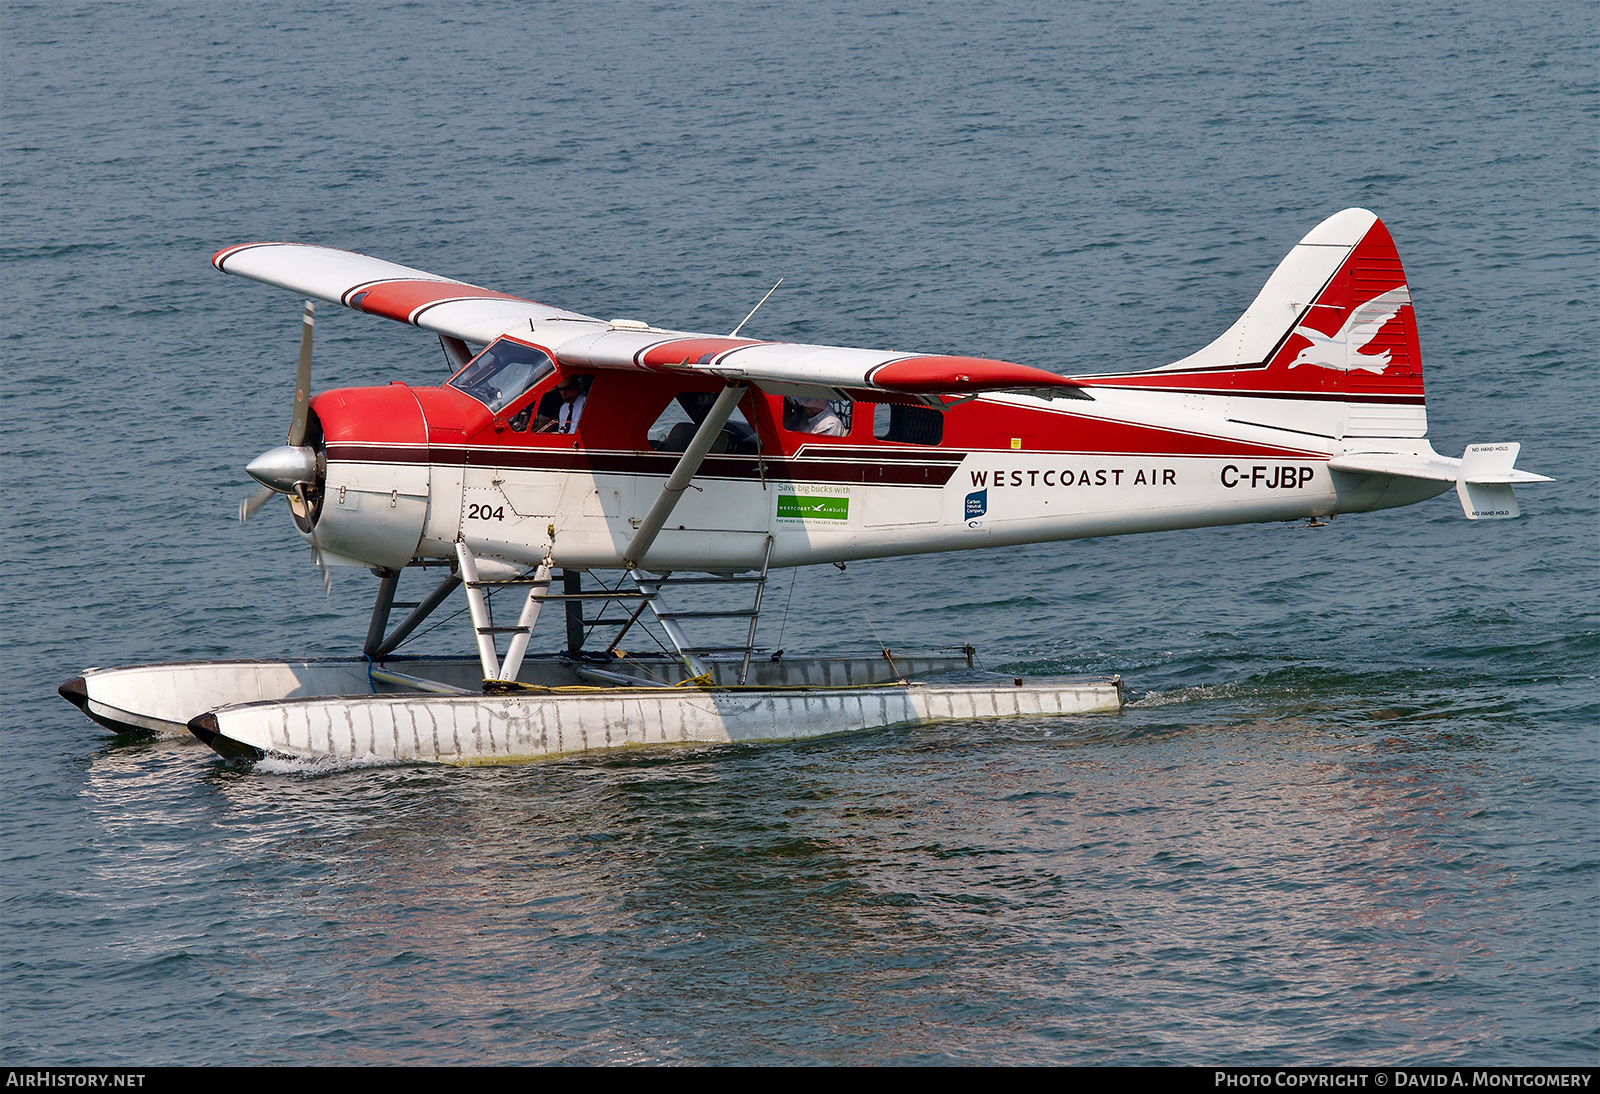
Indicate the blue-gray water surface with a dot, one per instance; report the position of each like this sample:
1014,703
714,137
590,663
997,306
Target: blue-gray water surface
1350,813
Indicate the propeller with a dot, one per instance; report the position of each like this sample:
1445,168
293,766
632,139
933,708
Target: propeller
281,469
291,469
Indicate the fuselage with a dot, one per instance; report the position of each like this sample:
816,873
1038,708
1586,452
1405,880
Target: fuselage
410,470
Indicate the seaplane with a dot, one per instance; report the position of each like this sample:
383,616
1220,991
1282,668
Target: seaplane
691,466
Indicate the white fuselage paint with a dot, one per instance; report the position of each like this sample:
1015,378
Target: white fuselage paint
992,499
391,513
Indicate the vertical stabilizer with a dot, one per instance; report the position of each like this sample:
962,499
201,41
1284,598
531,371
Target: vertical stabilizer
1329,346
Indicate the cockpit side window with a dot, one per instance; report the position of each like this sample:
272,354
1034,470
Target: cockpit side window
502,372
560,409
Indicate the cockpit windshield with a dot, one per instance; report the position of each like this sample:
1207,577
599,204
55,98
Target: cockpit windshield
502,372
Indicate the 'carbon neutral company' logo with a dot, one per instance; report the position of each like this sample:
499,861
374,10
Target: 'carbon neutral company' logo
813,507
977,504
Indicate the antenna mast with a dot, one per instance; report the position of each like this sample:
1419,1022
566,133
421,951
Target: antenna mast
734,333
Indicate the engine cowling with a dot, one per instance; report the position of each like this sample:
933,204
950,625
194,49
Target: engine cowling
375,490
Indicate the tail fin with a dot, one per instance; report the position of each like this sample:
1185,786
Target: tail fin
1329,346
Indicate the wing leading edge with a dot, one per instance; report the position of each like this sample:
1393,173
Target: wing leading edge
456,309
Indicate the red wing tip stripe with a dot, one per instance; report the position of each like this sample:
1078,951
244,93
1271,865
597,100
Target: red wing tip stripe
417,314
404,299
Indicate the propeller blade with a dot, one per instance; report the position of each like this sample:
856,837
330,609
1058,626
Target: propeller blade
327,574
316,548
302,382
248,507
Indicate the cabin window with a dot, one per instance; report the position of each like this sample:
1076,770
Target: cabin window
907,424
820,417
502,372
675,427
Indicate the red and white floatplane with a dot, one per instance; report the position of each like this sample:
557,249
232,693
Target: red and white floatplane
690,466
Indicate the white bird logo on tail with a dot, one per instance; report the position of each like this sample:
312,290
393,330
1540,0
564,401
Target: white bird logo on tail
1342,351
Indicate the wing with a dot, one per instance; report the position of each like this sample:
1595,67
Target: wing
473,314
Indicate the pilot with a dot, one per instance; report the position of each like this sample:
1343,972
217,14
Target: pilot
812,416
572,399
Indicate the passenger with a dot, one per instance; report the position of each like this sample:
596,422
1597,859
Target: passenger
812,416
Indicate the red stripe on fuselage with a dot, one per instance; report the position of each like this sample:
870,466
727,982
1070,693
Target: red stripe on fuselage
640,463
456,425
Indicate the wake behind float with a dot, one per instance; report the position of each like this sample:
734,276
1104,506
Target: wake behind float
695,464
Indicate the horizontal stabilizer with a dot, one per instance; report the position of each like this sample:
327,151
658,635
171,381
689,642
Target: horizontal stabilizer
1493,463
1483,475
1405,465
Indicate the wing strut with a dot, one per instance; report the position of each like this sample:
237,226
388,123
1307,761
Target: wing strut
678,481
457,352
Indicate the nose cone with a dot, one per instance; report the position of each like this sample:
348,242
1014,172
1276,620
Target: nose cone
283,467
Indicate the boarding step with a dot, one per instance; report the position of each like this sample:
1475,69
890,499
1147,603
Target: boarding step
738,613
620,594
672,621
499,582
597,595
